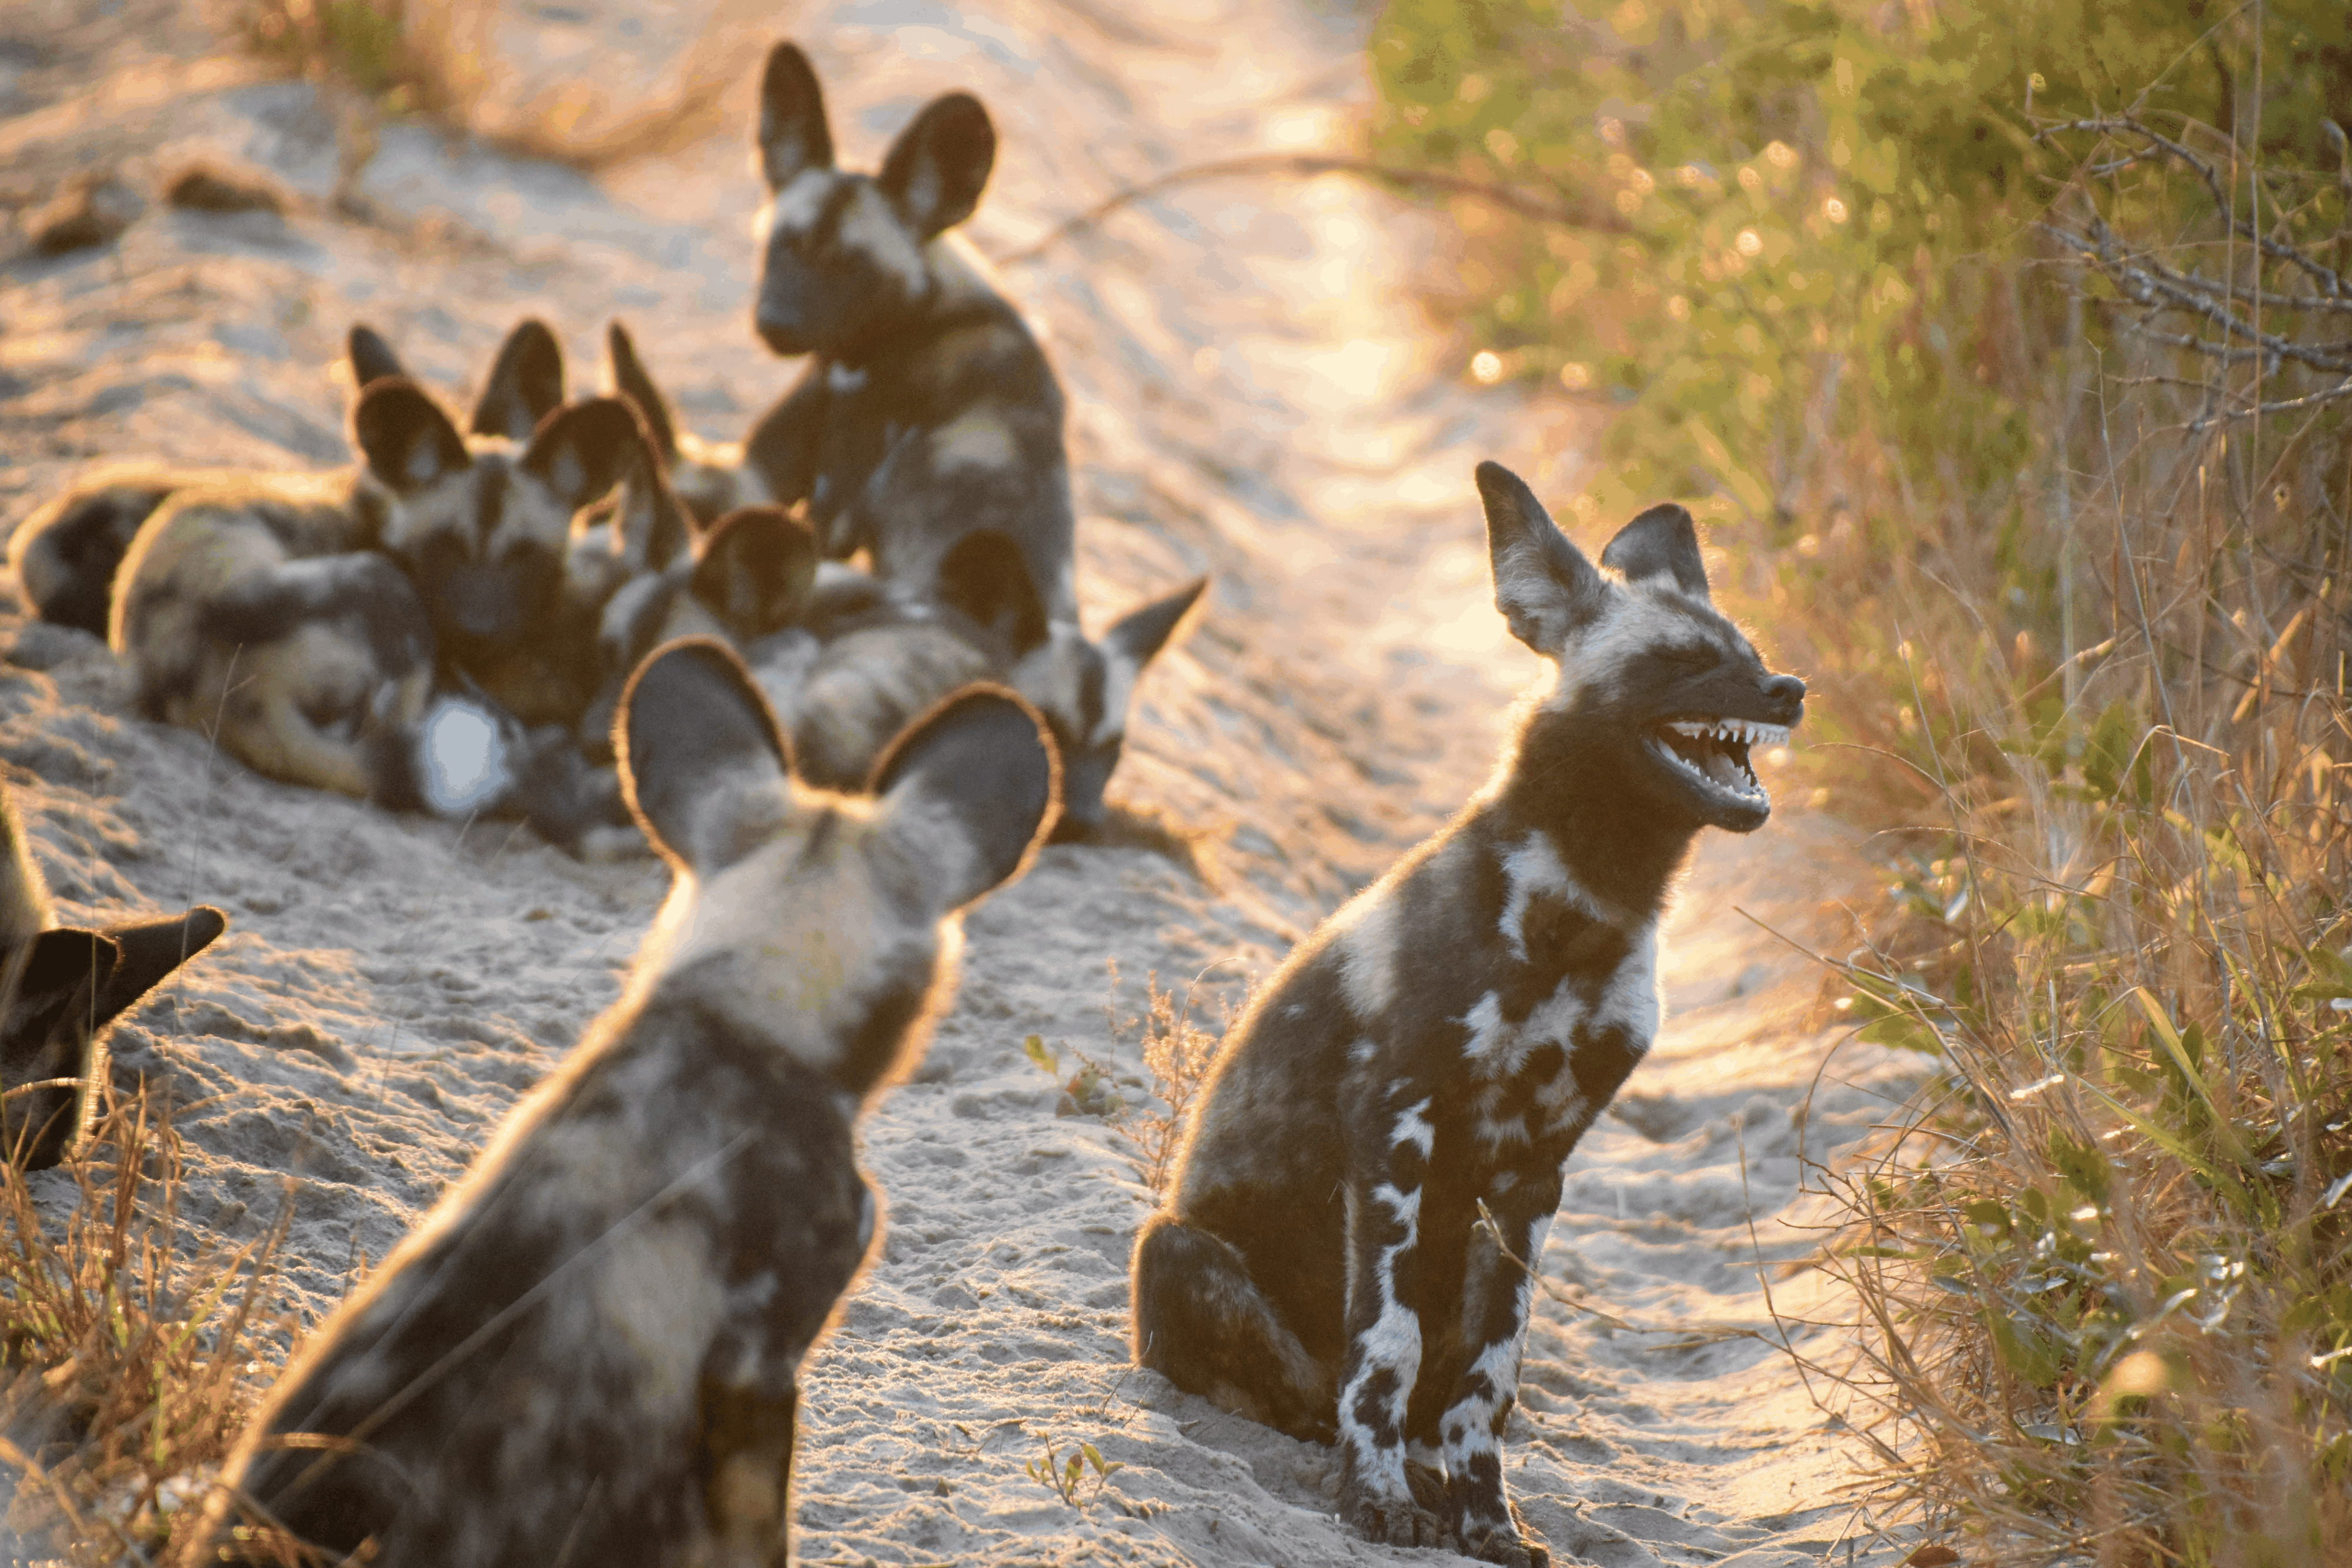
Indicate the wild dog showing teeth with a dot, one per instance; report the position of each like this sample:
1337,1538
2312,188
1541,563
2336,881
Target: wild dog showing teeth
590,1350
261,609
60,989
65,554
1446,1039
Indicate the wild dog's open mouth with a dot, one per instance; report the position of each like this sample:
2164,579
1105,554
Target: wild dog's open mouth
1715,752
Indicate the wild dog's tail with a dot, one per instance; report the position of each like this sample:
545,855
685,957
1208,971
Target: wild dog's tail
65,555
1202,1323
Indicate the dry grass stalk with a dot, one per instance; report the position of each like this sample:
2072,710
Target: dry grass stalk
2106,1270
126,1369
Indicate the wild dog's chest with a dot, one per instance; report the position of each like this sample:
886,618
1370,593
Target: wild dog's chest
1568,1010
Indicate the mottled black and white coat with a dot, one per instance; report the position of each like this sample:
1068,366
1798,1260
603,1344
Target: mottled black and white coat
1446,1037
589,1350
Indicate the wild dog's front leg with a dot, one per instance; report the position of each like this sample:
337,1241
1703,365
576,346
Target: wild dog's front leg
1388,1160
1496,1295
744,1460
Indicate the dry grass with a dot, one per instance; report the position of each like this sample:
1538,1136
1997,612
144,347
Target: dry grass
2107,1270
126,1369
1177,1053
440,60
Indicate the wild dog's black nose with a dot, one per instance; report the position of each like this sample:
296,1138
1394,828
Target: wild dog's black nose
1786,696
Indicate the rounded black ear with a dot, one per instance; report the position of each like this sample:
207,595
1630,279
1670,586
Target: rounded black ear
937,167
1543,585
985,576
526,382
754,570
584,449
150,950
627,377
974,786
1660,542
371,357
1142,633
790,134
697,745
406,439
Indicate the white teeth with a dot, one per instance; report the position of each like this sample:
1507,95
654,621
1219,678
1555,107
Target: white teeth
1731,729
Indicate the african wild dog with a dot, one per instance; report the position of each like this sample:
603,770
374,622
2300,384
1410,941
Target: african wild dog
927,410
1446,1037
60,989
869,662
261,609
65,554
710,476
588,1352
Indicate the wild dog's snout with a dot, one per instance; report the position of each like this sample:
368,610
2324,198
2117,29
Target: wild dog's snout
1786,693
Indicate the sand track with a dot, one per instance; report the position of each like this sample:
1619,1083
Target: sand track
1251,396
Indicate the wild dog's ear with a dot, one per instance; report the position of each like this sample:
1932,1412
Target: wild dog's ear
1543,585
973,786
1660,542
985,576
406,439
526,383
584,450
371,357
699,755
755,570
59,966
625,376
937,167
24,896
1139,635
150,951
792,134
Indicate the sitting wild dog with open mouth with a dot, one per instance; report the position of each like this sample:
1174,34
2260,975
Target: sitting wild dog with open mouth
1447,1036
60,989
263,610
65,555
588,1352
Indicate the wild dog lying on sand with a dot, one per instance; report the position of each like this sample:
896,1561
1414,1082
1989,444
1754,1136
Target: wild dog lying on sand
927,410
588,1352
65,554
60,989
870,663
260,610
1447,1036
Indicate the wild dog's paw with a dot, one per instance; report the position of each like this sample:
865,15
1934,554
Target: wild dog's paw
1503,1540
1390,1521
1429,1487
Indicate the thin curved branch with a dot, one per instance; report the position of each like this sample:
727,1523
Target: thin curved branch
1306,166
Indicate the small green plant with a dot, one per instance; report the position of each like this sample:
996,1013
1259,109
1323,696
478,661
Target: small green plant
1065,1478
1091,1089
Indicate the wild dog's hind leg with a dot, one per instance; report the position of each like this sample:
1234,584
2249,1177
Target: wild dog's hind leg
1496,1295
1202,1323
1388,1161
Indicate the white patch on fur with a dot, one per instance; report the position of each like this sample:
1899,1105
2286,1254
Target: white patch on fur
1120,675
1629,1000
788,213
1413,1127
845,378
1362,1051
1636,621
975,440
1533,867
871,228
657,1291
1367,941
1488,1033
462,763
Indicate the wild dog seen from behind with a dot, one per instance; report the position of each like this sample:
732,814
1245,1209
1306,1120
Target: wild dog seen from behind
588,1352
1446,1039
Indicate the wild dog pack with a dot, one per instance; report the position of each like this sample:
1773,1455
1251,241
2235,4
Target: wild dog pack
1446,1037
589,1350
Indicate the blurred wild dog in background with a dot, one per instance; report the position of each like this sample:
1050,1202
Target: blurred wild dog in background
65,554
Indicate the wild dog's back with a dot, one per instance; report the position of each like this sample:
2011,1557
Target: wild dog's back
592,1344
